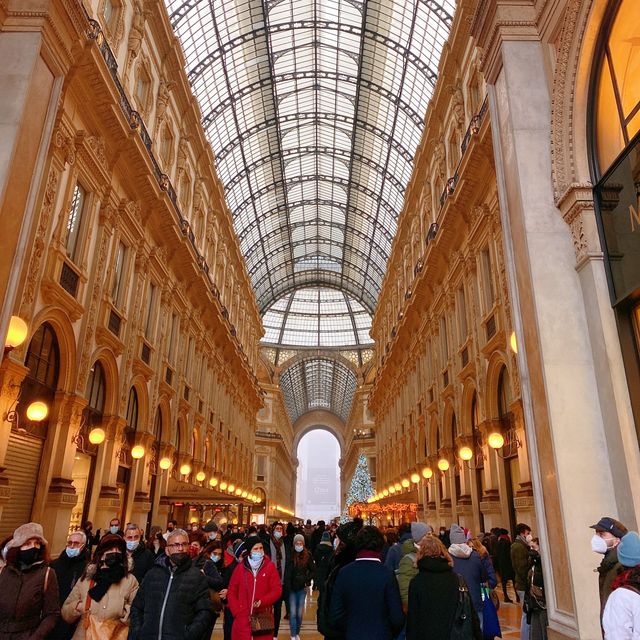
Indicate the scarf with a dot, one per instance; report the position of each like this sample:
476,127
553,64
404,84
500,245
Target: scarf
278,545
629,579
373,555
104,578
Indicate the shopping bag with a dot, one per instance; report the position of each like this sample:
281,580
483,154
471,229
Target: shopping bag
490,622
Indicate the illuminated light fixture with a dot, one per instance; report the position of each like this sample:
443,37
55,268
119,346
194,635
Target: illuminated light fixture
185,469
427,473
405,482
231,488
465,453
245,494
385,492
392,489
213,481
513,343
97,436
443,464
495,440
137,452
238,491
200,476
415,478
37,411
223,486
398,486
16,333
165,463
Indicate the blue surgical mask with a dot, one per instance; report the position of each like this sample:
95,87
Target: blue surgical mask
299,548
132,545
277,535
72,552
113,530
257,555
215,558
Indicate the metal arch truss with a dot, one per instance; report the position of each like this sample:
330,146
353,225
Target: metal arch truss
318,383
314,110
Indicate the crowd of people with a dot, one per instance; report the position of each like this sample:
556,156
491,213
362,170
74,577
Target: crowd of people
410,583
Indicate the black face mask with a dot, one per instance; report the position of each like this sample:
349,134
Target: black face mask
112,559
179,558
29,556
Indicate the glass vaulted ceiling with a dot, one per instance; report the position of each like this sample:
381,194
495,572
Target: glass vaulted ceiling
314,109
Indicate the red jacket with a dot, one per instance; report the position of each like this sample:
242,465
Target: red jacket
240,597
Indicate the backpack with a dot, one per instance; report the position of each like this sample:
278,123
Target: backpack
462,628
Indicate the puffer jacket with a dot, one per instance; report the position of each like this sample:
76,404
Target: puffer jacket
621,619
172,602
114,605
475,569
407,570
28,610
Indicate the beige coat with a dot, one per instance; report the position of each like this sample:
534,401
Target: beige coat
115,604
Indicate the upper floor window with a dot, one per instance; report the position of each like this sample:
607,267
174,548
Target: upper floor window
173,338
148,323
486,273
461,308
74,222
118,269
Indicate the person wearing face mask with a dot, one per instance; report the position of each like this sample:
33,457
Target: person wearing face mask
29,605
171,526
211,531
173,602
69,567
298,577
101,600
408,568
605,541
114,527
156,542
322,558
278,548
211,565
141,557
521,562
255,586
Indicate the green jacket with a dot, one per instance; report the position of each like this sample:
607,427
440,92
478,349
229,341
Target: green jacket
407,569
521,562
609,569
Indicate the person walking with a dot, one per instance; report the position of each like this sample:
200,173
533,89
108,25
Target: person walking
278,549
394,555
69,567
255,586
408,568
536,603
232,556
433,594
29,606
299,577
141,557
101,600
365,602
173,601
473,567
520,560
621,619
322,558
502,563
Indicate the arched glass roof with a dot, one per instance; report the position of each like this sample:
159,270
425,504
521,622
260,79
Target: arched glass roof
317,317
314,110
318,383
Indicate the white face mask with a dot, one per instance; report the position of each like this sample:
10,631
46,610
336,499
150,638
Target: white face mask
528,538
599,545
299,548
277,535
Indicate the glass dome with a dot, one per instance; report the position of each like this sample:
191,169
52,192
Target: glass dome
317,317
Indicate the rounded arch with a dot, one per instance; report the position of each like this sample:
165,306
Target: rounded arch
433,435
164,406
66,338
497,361
449,424
469,395
144,419
422,451
179,435
111,378
319,420
305,355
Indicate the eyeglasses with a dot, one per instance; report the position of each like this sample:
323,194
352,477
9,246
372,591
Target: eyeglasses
74,543
179,545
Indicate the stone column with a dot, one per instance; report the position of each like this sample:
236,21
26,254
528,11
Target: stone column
108,503
572,470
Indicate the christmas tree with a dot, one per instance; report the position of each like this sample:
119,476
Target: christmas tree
361,488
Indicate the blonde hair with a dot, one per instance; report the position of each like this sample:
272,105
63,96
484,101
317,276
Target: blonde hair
431,547
477,546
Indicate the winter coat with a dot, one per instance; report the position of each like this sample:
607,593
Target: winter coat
27,609
210,571
475,569
322,559
173,601
366,602
394,554
621,619
143,560
114,605
520,561
299,575
68,571
608,570
433,599
241,594
407,570
502,554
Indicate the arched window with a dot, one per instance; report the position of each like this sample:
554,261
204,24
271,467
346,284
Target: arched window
504,393
132,411
95,393
194,439
176,437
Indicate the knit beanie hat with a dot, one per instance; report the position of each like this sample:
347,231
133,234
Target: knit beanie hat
347,532
298,538
419,530
457,534
26,532
326,537
629,550
237,547
251,542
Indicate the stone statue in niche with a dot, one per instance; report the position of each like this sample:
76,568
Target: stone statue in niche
440,155
457,105
136,34
162,100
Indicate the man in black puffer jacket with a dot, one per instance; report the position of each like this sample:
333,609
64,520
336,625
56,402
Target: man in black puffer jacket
173,600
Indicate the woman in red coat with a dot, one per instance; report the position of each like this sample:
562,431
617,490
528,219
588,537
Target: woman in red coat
255,585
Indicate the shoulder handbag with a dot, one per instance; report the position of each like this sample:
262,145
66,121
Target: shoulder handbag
96,629
261,622
462,628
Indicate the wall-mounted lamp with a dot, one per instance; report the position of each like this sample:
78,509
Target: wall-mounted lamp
505,446
415,478
213,481
200,476
165,463
36,412
405,483
137,452
16,333
185,469
472,457
427,473
443,465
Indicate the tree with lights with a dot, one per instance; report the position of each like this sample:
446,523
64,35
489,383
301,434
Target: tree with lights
361,488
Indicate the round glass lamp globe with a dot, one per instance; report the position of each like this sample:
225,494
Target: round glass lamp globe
244,494
213,481
415,478
427,472
97,436
137,452
495,440
385,492
223,486
200,476
398,486
238,491
37,411
16,333
465,453
231,488
185,469
165,463
392,489
405,482
443,464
